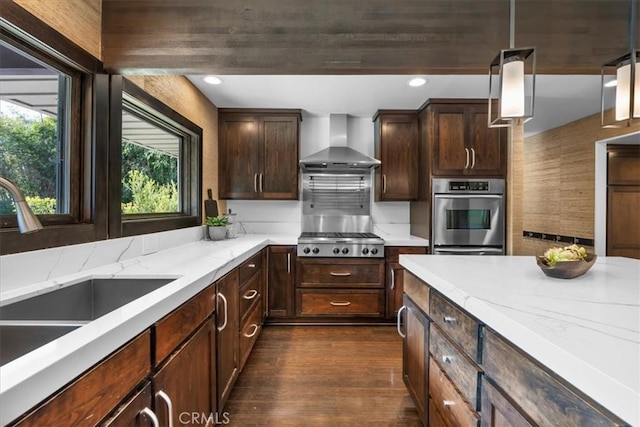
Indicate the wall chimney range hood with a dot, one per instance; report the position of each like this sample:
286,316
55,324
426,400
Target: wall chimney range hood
338,155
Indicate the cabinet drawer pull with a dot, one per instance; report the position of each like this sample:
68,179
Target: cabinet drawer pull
252,265
403,308
340,303
393,278
448,319
466,165
447,359
251,294
448,402
255,331
340,274
226,307
152,416
164,396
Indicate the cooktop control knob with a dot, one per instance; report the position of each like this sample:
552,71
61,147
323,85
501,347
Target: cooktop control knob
365,251
316,250
374,251
306,250
345,250
336,251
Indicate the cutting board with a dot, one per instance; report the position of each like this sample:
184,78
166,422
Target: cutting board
210,205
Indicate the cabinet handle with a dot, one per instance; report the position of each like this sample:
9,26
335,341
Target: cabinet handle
251,265
260,179
384,183
255,182
447,359
226,306
340,274
403,308
152,416
393,278
251,294
340,303
473,158
289,263
448,319
448,402
466,165
164,396
255,331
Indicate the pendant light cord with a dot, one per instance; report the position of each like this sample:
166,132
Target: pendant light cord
632,24
512,24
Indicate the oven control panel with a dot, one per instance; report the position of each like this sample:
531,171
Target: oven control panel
469,186
337,250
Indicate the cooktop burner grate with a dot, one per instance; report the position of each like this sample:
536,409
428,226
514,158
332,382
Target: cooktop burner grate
336,235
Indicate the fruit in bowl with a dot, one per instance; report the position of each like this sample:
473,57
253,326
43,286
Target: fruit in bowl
566,263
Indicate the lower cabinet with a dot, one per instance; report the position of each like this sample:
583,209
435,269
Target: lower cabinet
228,362
281,282
394,275
136,412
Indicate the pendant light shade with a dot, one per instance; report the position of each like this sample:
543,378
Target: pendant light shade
511,86
624,96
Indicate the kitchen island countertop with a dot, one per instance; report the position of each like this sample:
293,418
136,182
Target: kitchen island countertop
586,330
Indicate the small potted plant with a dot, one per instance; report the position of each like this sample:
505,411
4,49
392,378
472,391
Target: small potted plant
217,227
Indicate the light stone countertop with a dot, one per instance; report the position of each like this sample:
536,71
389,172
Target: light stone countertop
26,381
587,329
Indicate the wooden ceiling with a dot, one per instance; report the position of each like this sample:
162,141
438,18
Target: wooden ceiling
357,36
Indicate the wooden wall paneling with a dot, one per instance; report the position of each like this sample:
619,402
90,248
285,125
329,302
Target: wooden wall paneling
78,20
514,189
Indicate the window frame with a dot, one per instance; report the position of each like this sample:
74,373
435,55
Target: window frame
87,220
190,164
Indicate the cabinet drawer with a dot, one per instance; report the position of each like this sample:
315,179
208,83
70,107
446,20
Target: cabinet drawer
460,327
392,253
249,268
340,273
543,398
447,401
340,302
249,332
250,293
131,412
174,328
462,371
435,419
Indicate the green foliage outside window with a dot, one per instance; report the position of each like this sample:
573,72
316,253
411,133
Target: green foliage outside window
148,196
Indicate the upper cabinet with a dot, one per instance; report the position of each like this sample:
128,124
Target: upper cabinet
258,154
461,141
396,145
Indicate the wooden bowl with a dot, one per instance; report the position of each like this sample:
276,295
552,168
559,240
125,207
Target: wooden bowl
567,269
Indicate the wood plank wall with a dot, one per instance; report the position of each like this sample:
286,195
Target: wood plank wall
558,168
181,95
78,20
514,197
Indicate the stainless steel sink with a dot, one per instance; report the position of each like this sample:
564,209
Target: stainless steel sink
84,301
19,338
31,323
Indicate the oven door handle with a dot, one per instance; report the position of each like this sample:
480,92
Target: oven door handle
496,251
468,196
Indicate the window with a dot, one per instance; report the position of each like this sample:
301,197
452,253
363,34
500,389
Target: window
35,132
158,171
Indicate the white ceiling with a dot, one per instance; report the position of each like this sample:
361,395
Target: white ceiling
559,99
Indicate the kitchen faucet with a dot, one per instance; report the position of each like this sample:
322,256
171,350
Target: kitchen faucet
27,221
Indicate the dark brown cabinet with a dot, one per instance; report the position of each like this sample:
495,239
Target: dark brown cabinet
415,355
184,384
228,361
394,276
623,200
396,146
251,287
258,154
462,143
281,282
136,412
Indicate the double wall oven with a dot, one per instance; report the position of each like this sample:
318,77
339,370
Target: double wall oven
468,216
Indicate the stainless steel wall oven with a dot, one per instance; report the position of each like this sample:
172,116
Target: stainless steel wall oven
468,216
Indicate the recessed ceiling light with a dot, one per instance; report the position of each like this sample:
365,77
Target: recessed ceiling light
417,81
213,80
612,83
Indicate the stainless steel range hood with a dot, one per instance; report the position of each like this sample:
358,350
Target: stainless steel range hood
338,155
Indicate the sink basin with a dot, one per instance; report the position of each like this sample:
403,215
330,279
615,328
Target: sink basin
84,301
19,338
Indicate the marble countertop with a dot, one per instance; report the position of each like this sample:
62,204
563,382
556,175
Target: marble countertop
587,329
29,379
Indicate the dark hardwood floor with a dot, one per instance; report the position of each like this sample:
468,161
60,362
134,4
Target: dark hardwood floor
323,376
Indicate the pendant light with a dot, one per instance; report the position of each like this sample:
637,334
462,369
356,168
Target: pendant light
514,71
624,91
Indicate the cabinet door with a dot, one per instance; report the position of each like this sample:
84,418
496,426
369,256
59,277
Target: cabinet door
394,276
498,410
185,383
240,156
228,326
136,412
415,356
279,179
281,281
488,146
451,156
398,151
